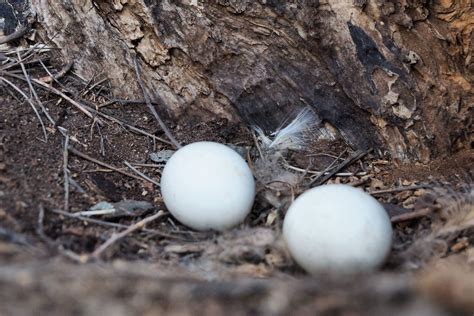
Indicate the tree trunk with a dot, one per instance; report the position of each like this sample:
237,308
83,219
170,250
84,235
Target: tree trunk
386,74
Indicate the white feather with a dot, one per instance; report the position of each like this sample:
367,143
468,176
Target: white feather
292,136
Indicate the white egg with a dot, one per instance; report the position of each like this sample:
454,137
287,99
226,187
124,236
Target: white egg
337,229
207,185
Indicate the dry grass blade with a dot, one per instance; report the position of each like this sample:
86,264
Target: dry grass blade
116,237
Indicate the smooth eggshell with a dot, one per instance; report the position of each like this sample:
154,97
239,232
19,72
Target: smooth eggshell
337,228
207,185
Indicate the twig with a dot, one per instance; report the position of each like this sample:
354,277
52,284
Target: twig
28,53
76,186
148,165
93,86
66,173
116,237
51,77
151,107
15,35
40,223
105,170
32,89
96,212
100,163
339,174
258,146
102,142
351,159
57,92
109,224
144,176
412,215
65,97
323,154
123,102
328,167
401,189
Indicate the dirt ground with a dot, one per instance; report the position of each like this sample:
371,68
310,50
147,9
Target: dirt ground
47,262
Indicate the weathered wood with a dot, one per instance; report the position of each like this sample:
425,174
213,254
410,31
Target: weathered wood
396,74
141,289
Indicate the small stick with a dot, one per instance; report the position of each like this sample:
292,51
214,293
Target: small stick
93,86
328,168
351,159
66,173
258,146
144,176
148,165
40,223
123,102
96,212
323,154
152,108
339,174
401,189
32,89
116,237
51,77
411,215
65,97
57,92
109,224
105,170
102,142
100,163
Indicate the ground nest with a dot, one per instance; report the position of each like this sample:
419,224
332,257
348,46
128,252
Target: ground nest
83,228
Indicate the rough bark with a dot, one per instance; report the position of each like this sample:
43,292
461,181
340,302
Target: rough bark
393,74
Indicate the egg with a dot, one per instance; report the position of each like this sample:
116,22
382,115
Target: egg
207,185
337,229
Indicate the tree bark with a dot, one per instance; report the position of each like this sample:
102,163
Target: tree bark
386,74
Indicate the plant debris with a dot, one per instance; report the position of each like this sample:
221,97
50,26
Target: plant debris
67,144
